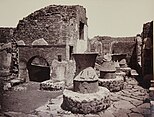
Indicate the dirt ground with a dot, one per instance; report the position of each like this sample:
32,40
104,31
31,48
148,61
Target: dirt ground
26,100
26,97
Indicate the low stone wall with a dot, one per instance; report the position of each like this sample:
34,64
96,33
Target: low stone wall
115,84
86,103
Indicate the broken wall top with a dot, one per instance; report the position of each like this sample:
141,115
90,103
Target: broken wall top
54,23
6,34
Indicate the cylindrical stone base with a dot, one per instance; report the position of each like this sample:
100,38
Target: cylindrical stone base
115,84
52,86
86,103
107,75
85,86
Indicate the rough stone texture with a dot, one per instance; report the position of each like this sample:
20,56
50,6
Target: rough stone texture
113,45
6,34
5,58
58,70
115,84
147,52
86,103
46,22
58,26
122,102
52,86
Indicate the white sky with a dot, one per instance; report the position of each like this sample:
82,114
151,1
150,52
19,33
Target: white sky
105,17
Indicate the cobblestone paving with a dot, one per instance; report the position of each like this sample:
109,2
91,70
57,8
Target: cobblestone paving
132,101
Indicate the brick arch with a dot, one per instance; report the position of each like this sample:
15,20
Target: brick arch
38,72
36,56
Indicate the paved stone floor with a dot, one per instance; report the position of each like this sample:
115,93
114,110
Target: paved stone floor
132,101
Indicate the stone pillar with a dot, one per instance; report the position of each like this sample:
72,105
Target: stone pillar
58,70
5,58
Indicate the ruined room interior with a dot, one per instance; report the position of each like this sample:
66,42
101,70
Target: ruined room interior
49,67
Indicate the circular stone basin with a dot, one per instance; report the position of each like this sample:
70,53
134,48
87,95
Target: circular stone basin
86,103
115,84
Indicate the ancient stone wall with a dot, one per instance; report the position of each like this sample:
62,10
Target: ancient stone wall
49,53
114,45
147,51
56,24
51,31
6,51
6,34
126,47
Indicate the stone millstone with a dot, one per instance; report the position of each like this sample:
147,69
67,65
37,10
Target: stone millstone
86,103
107,70
115,84
108,66
86,81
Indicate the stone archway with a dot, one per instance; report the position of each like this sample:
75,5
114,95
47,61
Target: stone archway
38,69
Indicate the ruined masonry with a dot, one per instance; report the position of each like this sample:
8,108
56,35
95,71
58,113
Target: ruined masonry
47,33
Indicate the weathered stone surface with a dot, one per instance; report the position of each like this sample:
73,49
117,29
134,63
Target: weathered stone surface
113,45
123,105
135,115
15,114
121,113
115,84
105,114
135,102
86,103
86,81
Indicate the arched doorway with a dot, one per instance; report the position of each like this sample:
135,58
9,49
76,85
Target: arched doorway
38,69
